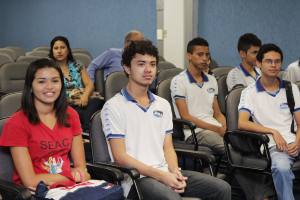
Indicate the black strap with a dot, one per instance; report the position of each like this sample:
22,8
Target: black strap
290,101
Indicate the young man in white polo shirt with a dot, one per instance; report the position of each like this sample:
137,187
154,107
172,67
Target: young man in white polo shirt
138,126
246,73
194,96
266,102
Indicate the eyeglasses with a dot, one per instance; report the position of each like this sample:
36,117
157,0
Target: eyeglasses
270,61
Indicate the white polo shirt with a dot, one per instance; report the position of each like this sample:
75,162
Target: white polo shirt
270,110
293,72
239,75
199,97
144,129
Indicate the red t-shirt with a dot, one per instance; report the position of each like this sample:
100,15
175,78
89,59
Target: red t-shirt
48,148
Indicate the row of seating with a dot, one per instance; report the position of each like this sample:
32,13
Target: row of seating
12,54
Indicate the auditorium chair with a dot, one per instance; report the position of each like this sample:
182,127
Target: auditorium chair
182,148
39,53
28,59
82,50
99,81
12,77
83,58
222,92
19,51
163,65
41,48
221,70
114,83
10,103
247,152
11,53
4,58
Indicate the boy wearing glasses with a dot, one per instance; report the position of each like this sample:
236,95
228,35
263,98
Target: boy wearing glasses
246,73
266,102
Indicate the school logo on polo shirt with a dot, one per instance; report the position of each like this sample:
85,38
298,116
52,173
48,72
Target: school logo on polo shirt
210,90
158,113
284,106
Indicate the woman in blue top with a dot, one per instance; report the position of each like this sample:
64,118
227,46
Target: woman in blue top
79,86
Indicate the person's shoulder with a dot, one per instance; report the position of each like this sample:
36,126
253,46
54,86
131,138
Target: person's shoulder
18,118
71,111
115,101
117,51
180,76
293,65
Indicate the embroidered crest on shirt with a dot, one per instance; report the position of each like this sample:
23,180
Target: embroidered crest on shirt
210,90
284,106
158,113
53,166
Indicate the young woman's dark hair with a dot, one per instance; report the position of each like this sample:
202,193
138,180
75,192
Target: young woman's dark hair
265,48
27,104
64,40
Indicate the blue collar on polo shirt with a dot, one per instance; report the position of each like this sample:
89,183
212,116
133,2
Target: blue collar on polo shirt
246,73
260,87
126,94
192,80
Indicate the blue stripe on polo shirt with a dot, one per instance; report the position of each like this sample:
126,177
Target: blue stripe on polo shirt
128,97
169,131
179,97
115,136
260,87
245,109
192,80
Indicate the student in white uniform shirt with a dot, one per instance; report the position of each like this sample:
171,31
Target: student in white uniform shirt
194,96
266,102
293,72
138,126
246,73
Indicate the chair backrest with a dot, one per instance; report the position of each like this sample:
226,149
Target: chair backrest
83,58
163,65
168,73
213,64
4,58
222,93
83,51
97,140
40,53
11,53
42,48
232,103
28,59
114,83
10,103
99,81
221,70
164,91
12,77
19,51
6,167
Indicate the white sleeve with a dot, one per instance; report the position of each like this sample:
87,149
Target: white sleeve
178,90
245,104
168,119
112,121
296,95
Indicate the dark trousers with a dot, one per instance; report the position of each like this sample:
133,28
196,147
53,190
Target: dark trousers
85,113
199,185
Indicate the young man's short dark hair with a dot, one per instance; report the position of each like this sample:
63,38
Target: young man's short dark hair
247,40
267,48
198,41
139,47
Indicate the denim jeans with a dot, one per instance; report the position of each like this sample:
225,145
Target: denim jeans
282,173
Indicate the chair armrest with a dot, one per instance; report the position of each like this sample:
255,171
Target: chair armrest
101,172
10,190
190,124
205,156
133,173
262,137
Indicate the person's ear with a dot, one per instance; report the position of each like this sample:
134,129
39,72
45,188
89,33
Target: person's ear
126,69
243,54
